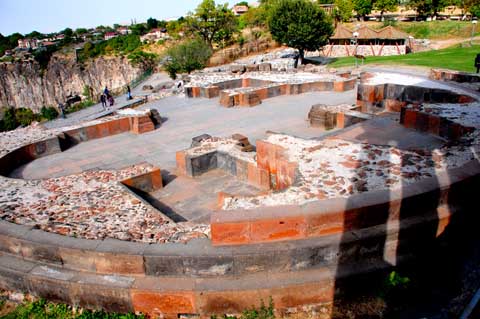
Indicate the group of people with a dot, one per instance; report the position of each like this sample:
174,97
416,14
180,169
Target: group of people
107,99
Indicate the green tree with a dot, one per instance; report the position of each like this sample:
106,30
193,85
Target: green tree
138,29
363,7
385,5
428,7
300,24
187,57
243,3
34,34
80,31
213,23
152,23
343,10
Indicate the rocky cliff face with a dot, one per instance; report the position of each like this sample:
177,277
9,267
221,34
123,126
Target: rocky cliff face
24,84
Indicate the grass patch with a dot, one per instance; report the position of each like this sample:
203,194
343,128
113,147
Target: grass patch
41,309
454,58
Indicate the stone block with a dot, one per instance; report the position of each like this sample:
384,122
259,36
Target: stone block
286,174
246,81
195,91
161,303
211,92
325,224
278,229
249,99
208,266
252,67
108,263
421,122
203,163
227,163
434,124
242,170
410,118
100,295
226,302
159,266
338,86
180,158
230,233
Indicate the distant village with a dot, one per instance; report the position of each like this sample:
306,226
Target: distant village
27,46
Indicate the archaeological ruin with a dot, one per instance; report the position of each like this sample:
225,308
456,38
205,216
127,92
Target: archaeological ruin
255,184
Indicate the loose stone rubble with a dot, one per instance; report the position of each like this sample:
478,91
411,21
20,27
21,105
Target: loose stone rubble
208,79
337,168
226,145
92,205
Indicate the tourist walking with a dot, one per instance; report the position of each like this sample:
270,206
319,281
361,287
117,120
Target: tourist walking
106,91
111,101
103,99
129,93
61,107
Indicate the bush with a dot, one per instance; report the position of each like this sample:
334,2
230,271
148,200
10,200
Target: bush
48,113
144,59
187,57
25,116
9,121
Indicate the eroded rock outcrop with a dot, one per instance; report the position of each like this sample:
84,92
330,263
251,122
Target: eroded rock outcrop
25,84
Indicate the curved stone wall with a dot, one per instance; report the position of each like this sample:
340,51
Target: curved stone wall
288,253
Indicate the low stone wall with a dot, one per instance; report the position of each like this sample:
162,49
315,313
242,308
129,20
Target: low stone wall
261,89
245,171
454,76
28,153
391,97
434,124
339,215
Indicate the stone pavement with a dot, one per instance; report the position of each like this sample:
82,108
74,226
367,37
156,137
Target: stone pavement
184,119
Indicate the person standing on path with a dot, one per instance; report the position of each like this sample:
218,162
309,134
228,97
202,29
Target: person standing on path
129,93
106,92
103,99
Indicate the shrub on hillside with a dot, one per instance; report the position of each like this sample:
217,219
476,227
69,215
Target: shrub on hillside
48,113
187,57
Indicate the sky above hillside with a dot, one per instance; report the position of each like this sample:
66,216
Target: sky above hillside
48,16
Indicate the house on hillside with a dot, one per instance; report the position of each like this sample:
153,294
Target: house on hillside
28,44
239,10
367,42
124,30
110,35
155,35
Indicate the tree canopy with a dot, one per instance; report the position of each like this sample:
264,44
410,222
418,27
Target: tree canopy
299,24
187,57
213,23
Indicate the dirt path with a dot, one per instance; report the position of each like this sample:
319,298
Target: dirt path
442,44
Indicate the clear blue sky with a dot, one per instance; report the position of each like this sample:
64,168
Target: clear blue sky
48,16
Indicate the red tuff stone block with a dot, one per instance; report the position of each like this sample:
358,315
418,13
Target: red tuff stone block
181,160
465,99
284,89
286,174
230,233
91,132
160,303
421,122
212,91
258,176
113,127
262,93
434,124
124,124
278,229
340,120
249,99
157,181
195,91
245,82
266,156
102,129
303,294
410,118
325,224
142,124
242,170
393,105
338,86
